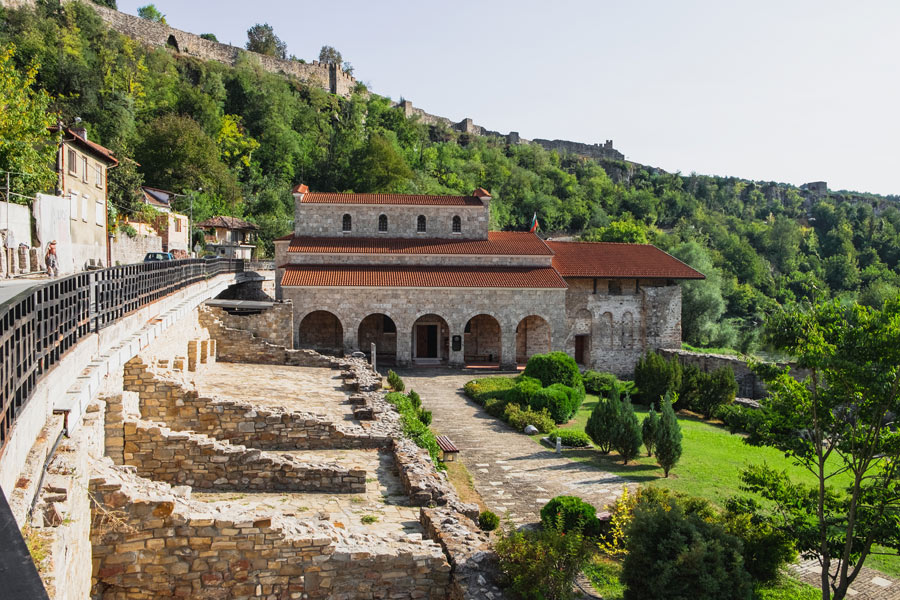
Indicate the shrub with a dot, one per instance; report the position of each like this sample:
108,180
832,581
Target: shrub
414,399
395,382
413,427
554,367
668,440
766,549
488,521
129,230
692,380
425,416
481,390
612,543
571,437
649,430
604,419
558,399
739,418
673,555
599,383
570,513
654,376
525,391
718,389
627,438
496,407
542,565
519,418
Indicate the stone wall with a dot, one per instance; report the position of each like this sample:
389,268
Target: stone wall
193,459
150,543
749,385
327,220
126,250
274,324
603,151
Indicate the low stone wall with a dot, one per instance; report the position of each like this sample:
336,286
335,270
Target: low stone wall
424,485
274,324
150,543
126,250
749,385
186,458
181,407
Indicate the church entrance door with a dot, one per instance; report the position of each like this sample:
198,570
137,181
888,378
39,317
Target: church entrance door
427,341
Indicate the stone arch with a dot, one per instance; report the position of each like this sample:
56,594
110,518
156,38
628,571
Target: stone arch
482,339
380,329
430,342
321,331
172,43
628,330
605,330
582,329
532,337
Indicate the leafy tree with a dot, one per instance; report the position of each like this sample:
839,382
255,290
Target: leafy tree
604,421
261,38
26,147
702,304
650,430
668,439
107,3
627,231
151,13
209,36
655,376
837,422
627,440
329,55
124,182
716,389
381,168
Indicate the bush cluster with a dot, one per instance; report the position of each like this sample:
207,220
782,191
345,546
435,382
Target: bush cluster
703,392
570,513
488,521
599,383
395,382
739,418
571,437
561,401
413,418
554,367
520,418
614,426
482,390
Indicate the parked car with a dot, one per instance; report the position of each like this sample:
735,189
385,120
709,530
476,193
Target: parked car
155,256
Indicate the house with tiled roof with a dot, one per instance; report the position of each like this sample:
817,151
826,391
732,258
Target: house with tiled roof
229,237
423,280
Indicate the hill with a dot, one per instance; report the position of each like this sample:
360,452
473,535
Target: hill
246,135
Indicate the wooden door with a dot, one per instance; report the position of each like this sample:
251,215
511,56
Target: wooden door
580,346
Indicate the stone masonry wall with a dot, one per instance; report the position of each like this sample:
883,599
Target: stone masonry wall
125,250
274,324
150,543
749,385
193,459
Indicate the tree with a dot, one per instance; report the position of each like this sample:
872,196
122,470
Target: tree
702,304
668,440
107,3
26,147
715,389
839,424
262,39
380,168
627,440
649,430
209,36
151,13
604,420
330,56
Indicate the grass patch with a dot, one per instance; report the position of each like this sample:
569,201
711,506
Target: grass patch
38,544
465,486
369,519
604,577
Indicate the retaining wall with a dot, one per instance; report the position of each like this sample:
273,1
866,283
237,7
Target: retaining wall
274,324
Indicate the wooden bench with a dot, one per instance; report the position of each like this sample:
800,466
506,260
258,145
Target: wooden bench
448,448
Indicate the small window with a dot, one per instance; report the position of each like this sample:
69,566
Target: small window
382,223
457,224
347,223
98,181
73,162
420,224
84,174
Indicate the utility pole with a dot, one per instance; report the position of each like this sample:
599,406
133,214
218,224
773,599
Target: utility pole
8,270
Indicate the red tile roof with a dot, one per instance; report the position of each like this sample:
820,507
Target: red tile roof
499,243
455,277
612,260
300,188
400,199
70,136
284,238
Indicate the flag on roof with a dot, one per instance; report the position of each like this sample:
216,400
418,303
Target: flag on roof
534,223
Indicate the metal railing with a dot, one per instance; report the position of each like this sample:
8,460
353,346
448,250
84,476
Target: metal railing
39,325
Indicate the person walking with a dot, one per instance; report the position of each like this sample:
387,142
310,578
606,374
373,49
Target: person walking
52,260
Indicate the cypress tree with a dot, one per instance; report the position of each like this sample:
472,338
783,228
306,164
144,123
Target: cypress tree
628,433
649,430
604,421
668,439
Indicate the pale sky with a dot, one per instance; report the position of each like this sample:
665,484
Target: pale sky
789,91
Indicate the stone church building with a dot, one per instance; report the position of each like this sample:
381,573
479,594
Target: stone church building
426,281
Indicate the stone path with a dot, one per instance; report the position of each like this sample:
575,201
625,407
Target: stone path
512,473
869,584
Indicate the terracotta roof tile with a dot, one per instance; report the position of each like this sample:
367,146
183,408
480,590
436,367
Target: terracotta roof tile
455,277
94,147
612,260
400,199
284,238
300,188
227,223
499,243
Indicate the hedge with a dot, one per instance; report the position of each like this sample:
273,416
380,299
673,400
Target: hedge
554,367
576,513
414,428
481,390
571,437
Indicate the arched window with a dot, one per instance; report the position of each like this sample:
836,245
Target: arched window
420,224
347,223
457,224
382,223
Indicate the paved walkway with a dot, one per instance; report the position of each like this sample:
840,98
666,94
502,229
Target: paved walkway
869,584
512,473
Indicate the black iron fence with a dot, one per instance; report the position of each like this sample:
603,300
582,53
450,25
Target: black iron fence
38,326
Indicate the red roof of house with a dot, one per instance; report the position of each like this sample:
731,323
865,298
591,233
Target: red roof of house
613,260
284,238
502,243
456,277
70,136
401,199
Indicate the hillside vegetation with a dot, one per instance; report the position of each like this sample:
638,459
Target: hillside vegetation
247,136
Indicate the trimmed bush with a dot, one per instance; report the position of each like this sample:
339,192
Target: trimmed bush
571,437
599,383
668,439
654,376
519,418
673,555
649,431
627,438
481,390
603,422
571,513
554,367
496,406
395,381
488,521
